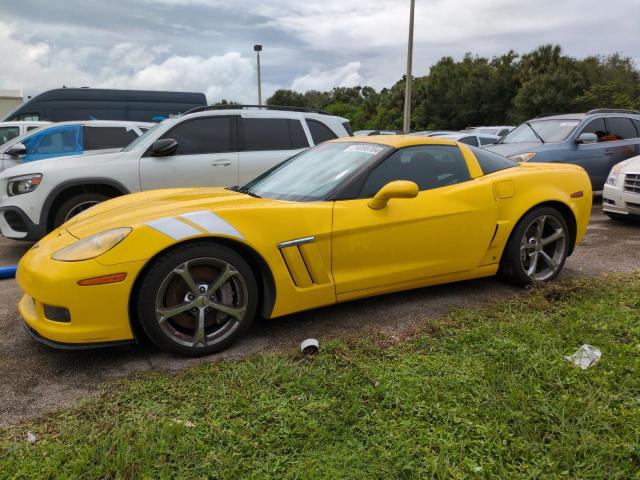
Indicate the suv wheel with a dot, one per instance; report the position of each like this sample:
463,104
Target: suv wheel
75,205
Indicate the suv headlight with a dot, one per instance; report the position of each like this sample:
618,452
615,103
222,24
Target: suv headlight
93,246
23,184
522,157
613,174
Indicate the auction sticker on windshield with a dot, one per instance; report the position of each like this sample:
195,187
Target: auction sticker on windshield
364,148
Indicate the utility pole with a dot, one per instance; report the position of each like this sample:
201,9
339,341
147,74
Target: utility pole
409,78
258,49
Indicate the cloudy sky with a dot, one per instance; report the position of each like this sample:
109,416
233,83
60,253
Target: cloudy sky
207,45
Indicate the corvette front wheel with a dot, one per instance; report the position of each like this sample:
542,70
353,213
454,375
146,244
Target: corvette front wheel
538,247
197,299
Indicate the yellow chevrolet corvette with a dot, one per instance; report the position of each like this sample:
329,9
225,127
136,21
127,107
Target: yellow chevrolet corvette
351,218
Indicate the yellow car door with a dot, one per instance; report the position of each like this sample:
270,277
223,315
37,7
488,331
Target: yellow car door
446,228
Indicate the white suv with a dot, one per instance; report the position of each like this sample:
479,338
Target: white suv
205,147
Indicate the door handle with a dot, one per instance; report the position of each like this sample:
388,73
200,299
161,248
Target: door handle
608,152
221,163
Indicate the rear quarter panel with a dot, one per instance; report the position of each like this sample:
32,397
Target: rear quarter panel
522,188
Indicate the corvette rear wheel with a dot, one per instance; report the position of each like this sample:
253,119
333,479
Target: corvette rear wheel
538,247
197,299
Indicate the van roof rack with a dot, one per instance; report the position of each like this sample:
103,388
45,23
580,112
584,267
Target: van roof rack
613,110
257,107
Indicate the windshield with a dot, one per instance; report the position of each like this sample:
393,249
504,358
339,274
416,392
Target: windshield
315,173
540,131
133,145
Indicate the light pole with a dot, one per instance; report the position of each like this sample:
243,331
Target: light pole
409,79
258,49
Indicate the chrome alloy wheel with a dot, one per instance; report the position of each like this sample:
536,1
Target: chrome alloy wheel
543,248
201,302
81,207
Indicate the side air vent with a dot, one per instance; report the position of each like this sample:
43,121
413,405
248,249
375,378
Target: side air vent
304,262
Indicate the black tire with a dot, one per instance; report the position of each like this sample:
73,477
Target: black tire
162,289
75,205
618,217
512,266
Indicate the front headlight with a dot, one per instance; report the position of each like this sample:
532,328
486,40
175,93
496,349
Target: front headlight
522,157
92,247
613,174
23,184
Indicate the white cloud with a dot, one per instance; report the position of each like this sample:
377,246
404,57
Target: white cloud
229,76
205,45
345,76
37,67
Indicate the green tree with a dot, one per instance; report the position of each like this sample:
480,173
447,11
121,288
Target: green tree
481,91
287,98
549,82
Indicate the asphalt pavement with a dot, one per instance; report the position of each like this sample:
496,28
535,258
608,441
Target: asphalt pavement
36,379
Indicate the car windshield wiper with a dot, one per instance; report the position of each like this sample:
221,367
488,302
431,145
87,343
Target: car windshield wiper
246,191
534,132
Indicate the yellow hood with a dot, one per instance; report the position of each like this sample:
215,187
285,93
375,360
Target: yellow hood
138,208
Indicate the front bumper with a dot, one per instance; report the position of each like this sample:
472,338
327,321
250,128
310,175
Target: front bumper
72,346
616,200
98,314
17,225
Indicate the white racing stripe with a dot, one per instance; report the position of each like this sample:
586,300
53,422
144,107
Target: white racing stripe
212,223
204,219
174,228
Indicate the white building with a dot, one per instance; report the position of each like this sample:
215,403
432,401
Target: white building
9,99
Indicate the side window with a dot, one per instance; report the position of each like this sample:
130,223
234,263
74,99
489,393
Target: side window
429,166
636,123
491,162
98,138
28,117
258,134
503,132
203,135
319,131
598,127
8,133
469,141
32,128
620,128
55,141
487,140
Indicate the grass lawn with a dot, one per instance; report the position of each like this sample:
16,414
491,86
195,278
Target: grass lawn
477,394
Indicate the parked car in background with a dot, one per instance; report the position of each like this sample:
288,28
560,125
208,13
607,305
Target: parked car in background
70,138
596,140
65,104
11,130
207,147
471,138
500,131
433,133
621,194
367,133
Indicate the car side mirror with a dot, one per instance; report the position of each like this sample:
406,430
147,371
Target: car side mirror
587,138
17,150
395,189
164,147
